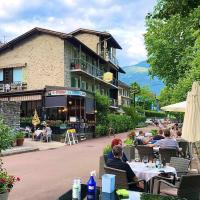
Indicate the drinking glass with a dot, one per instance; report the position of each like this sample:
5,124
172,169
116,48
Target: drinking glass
145,160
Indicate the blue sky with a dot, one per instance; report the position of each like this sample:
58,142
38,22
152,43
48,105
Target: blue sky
124,19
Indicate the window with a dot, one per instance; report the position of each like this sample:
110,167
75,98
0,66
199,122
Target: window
17,75
75,82
1,75
83,85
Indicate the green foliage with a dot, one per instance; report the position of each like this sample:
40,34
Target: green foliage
6,136
107,149
101,129
154,132
173,45
27,120
128,142
144,96
20,135
120,123
151,113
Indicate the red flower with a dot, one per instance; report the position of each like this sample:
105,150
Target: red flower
18,179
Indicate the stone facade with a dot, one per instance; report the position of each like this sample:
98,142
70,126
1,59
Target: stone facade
10,111
89,40
44,58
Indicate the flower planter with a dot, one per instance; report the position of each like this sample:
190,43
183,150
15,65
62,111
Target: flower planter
101,166
129,152
20,141
4,196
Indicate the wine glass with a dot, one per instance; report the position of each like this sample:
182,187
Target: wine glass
145,160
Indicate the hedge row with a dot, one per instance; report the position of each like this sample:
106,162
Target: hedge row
150,113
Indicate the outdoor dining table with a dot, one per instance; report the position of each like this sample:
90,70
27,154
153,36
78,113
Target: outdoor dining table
148,171
132,195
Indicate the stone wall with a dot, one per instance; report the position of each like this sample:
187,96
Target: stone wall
10,111
89,40
44,58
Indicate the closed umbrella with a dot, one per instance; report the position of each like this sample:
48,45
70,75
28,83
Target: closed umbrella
191,124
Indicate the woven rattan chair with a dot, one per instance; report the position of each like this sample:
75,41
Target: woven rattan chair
167,153
188,188
121,181
144,150
184,145
180,164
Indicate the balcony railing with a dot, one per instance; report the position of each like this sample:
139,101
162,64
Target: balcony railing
114,102
79,64
15,86
109,57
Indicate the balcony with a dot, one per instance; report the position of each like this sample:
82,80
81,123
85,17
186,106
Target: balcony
89,69
109,57
114,103
13,87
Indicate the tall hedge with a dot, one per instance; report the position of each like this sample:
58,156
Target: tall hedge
151,113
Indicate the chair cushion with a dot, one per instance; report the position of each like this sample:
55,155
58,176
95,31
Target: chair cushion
169,191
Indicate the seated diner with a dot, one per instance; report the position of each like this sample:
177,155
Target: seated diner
115,142
167,142
117,163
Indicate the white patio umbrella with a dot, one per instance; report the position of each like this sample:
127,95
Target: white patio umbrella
191,124
177,107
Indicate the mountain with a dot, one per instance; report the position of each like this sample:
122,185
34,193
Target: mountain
139,73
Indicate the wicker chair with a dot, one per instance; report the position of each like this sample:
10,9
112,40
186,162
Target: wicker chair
144,150
167,153
188,188
180,164
184,145
121,181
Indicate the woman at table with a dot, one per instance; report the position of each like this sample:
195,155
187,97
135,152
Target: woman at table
115,142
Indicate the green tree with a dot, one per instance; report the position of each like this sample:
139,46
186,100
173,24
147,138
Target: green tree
172,42
134,90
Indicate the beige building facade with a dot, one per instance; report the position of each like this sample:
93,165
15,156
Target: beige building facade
43,65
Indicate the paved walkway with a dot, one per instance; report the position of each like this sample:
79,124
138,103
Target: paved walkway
30,145
46,175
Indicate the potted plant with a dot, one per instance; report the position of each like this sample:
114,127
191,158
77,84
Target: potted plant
6,182
103,159
20,138
129,148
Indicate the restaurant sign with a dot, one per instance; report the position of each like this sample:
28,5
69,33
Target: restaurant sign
108,77
67,92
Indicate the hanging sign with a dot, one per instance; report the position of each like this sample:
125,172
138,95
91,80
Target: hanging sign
108,76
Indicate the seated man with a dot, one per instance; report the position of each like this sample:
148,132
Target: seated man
117,163
159,136
167,142
179,138
115,142
142,140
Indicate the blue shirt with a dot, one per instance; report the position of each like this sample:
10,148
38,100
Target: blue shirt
111,156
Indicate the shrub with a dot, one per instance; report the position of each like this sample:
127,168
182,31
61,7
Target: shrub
107,149
151,113
6,136
101,130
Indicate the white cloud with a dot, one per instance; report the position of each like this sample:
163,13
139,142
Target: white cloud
8,8
70,3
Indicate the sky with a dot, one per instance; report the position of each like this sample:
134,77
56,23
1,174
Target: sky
124,19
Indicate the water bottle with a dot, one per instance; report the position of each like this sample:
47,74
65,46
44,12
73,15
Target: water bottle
76,189
91,187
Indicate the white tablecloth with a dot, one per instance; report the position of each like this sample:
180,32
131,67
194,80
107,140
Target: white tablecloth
146,173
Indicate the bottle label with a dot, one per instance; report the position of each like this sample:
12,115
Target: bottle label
90,187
